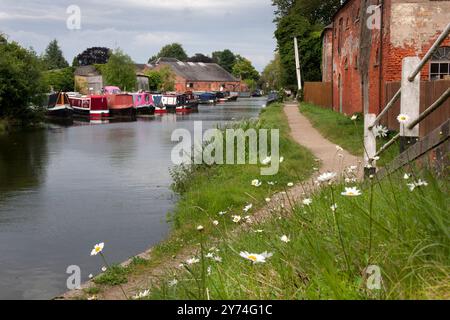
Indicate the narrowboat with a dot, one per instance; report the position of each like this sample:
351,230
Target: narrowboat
158,104
59,106
143,103
94,106
192,100
221,97
119,104
170,101
207,98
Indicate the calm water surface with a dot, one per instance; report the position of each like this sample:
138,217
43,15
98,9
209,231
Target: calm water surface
66,188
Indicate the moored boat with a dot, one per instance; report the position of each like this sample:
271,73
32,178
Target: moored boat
120,104
143,103
59,106
158,104
207,98
94,106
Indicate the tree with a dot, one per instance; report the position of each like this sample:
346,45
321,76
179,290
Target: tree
21,84
199,57
174,50
162,79
271,76
317,12
91,56
120,71
282,8
226,59
244,69
53,57
59,80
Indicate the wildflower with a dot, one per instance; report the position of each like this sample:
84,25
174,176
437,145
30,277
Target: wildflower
328,176
258,231
316,169
192,261
268,200
256,183
403,118
266,161
339,148
237,219
200,228
351,192
222,213
417,184
380,131
173,283
406,176
248,219
210,255
355,117
248,208
92,298
216,223
104,269
209,270
281,159
334,207
217,259
307,202
91,276
98,248
271,183
256,258
142,295
290,184
352,169
285,239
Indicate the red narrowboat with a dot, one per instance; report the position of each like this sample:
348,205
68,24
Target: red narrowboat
119,104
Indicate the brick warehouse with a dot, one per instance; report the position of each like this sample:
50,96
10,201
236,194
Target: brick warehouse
353,52
190,76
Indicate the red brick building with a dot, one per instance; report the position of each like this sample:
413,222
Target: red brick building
371,38
193,76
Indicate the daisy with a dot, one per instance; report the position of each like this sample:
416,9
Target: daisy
258,231
271,183
216,223
173,283
256,258
285,239
192,261
98,248
104,269
209,270
200,228
281,159
256,183
355,117
237,219
91,276
307,202
142,295
290,184
403,118
406,176
380,131
328,176
268,200
352,169
339,148
334,207
222,213
217,259
351,192
248,208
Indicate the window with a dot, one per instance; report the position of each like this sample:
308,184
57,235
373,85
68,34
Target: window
440,64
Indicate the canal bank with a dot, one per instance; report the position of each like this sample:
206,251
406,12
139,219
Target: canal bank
210,196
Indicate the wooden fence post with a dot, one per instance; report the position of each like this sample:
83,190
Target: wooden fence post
370,145
410,102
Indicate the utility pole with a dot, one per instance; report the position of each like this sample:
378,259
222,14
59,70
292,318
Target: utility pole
297,64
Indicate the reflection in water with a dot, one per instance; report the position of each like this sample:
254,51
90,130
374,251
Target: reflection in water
66,188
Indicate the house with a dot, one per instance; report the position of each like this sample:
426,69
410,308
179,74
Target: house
366,50
199,76
88,79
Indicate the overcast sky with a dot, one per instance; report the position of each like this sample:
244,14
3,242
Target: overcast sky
142,27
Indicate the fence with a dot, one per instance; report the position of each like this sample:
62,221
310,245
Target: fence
319,93
410,94
430,91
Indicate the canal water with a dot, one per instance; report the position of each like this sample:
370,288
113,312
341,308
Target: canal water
64,189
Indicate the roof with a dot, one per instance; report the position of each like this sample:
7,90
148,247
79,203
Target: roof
198,71
87,71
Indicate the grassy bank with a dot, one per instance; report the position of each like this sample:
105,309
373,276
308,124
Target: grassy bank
403,234
205,191
345,132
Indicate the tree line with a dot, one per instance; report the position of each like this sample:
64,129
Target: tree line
306,20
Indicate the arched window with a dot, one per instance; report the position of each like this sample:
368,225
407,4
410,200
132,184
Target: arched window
440,64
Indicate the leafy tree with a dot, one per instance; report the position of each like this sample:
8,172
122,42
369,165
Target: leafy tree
53,57
21,84
226,59
316,11
271,76
244,69
120,71
174,50
282,8
199,57
161,79
91,56
155,80
59,80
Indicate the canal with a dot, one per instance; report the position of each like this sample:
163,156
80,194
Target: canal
64,189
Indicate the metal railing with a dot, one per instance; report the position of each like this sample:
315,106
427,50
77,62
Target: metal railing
410,84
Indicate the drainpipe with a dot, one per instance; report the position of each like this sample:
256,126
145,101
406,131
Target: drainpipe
381,59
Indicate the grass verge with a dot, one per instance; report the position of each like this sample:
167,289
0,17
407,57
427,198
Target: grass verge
341,130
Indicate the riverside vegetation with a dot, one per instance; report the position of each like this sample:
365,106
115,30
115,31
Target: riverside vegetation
322,248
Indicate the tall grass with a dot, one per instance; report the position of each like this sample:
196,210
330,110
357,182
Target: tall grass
403,233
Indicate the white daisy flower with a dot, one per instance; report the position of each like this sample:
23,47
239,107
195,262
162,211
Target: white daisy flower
281,159
352,169
256,258
268,200
173,283
216,223
142,295
290,184
222,213
192,261
334,207
351,192
355,117
307,202
328,176
200,228
339,148
98,248
91,276
406,176
256,183
248,208
104,269
380,131
237,219
285,239
403,118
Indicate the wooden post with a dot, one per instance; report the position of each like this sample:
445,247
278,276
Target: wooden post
410,102
297,64
370,145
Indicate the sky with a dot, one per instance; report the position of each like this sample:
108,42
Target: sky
142,27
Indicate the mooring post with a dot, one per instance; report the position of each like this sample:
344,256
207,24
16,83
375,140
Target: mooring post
370,145
410,102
